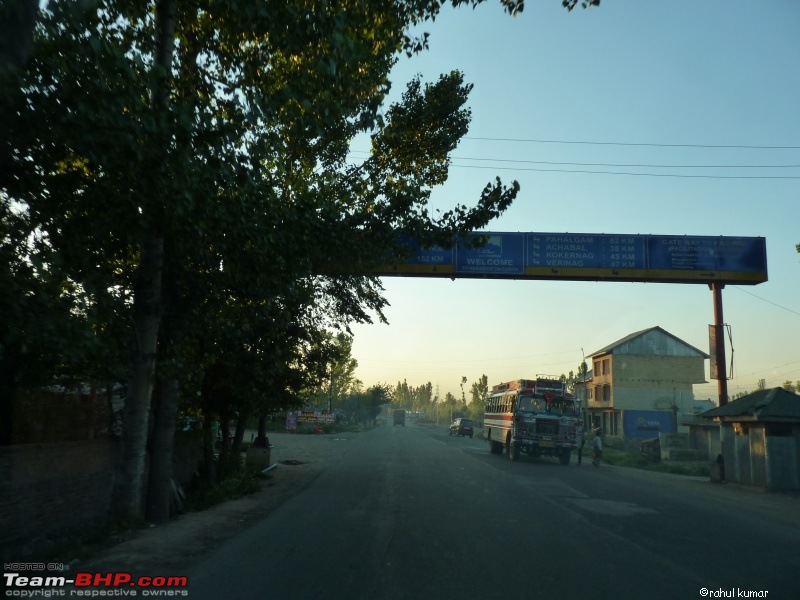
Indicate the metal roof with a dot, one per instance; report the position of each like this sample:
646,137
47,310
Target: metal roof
774,403
637,334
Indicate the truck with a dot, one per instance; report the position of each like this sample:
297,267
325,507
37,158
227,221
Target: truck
536,416
399,417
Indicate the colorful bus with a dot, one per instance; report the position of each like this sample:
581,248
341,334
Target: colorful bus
535,416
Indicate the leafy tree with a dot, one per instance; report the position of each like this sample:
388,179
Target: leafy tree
365,406
478,392
413,398
570,4
583,369
423,400
571,377
163,149
762,384
451,405
402,394
339,371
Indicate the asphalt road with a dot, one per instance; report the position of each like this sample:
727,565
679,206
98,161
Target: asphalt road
410,512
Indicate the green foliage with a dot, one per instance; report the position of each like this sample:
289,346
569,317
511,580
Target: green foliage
637,460
583,369
478,393
412,398
235,170
234,481
182,170
570,4
336,372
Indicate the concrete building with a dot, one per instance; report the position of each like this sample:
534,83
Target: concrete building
641,385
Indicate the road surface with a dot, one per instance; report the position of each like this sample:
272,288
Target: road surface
410,512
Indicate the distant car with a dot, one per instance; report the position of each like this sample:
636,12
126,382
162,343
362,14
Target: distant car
463,427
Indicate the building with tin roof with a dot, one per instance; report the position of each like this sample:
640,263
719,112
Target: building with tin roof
641,385
760,438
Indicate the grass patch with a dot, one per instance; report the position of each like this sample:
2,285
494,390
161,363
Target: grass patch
235,484
636,460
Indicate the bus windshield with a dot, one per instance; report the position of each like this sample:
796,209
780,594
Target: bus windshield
532,405
564,407
529,404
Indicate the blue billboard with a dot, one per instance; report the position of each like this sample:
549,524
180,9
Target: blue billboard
596,257
502,254
646,424
586,251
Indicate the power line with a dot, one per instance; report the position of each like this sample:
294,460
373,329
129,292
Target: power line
673,175
620,165
636,144
765,300
772,369
614,165
643,166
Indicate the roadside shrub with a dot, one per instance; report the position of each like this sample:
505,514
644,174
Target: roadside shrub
246,480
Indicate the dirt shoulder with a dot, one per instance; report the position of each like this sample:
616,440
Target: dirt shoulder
173,546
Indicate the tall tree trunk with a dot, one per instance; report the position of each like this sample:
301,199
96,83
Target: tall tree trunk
129,484
209,442
225,437
165,410
162,442
238,437
128,491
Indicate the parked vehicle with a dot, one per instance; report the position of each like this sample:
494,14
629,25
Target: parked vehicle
462,427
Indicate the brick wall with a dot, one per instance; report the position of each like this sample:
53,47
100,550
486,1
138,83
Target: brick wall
52,489
61,490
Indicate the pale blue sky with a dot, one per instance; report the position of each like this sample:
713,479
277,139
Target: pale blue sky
668,76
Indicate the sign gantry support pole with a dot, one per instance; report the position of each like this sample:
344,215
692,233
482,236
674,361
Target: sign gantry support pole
719,350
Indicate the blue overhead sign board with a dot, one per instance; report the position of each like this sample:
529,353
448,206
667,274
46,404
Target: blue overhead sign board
503,254
597,257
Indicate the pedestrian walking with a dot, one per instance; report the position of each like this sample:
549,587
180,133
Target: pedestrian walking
597,447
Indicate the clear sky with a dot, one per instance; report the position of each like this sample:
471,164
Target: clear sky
646,94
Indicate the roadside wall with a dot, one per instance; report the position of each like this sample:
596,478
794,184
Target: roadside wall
53,492
52,489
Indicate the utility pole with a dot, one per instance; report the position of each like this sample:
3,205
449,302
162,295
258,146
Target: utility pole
718,339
